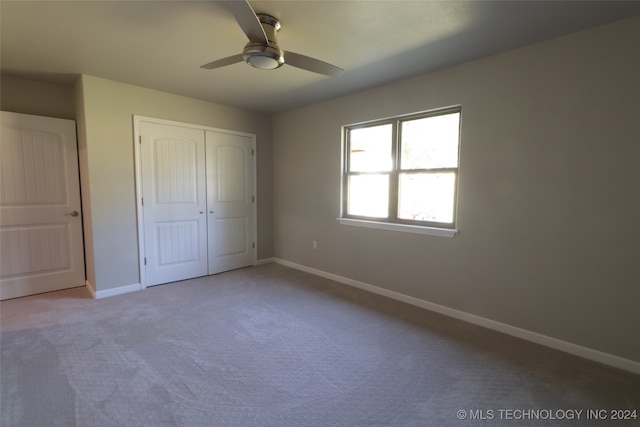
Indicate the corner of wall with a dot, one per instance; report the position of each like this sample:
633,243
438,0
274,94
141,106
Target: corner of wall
81,130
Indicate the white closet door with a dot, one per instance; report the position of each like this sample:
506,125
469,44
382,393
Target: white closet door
40,217
174,202
230,201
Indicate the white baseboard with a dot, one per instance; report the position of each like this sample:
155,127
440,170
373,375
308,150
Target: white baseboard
113,292
263,261
565,346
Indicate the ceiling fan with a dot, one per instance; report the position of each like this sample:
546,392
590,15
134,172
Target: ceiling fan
262,51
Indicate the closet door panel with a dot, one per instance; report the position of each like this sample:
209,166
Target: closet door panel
174,203
231,201
197,200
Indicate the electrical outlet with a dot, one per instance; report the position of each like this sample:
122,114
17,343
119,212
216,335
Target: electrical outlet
314,244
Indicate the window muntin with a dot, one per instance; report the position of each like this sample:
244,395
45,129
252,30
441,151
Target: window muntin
403,170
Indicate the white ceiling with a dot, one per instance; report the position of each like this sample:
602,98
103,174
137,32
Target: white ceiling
161,44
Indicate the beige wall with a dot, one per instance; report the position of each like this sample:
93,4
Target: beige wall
27,96
549,197
107,161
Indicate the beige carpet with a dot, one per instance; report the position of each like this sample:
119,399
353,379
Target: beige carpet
271,346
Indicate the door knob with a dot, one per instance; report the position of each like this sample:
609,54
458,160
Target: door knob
74,213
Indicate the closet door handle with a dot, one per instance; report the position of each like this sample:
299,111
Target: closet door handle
74,213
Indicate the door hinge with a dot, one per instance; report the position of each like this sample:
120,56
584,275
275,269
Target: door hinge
139,139
145,260
254,245
253,199
142,201
253,153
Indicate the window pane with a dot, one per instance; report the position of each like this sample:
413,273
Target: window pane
370,149
427,196
430,142
369,195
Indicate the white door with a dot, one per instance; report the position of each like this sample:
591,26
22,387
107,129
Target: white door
173,202
230,201
41,247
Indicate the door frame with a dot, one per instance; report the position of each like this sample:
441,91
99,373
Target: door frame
137,141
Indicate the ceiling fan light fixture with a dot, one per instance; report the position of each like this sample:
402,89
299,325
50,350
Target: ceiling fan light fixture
262,51
263,57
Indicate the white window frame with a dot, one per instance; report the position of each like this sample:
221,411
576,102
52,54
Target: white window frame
392,222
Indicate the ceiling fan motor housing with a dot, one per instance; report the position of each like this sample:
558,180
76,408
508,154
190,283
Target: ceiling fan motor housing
265,56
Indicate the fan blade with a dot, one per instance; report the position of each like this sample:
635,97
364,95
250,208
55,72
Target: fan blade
223,62
247,19
311,64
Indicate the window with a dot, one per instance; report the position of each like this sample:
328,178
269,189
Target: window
403,171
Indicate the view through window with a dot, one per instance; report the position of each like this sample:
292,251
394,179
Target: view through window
403,170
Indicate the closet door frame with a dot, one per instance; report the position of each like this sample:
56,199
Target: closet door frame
137,120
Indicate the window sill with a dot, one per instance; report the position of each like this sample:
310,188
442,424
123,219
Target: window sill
432,231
